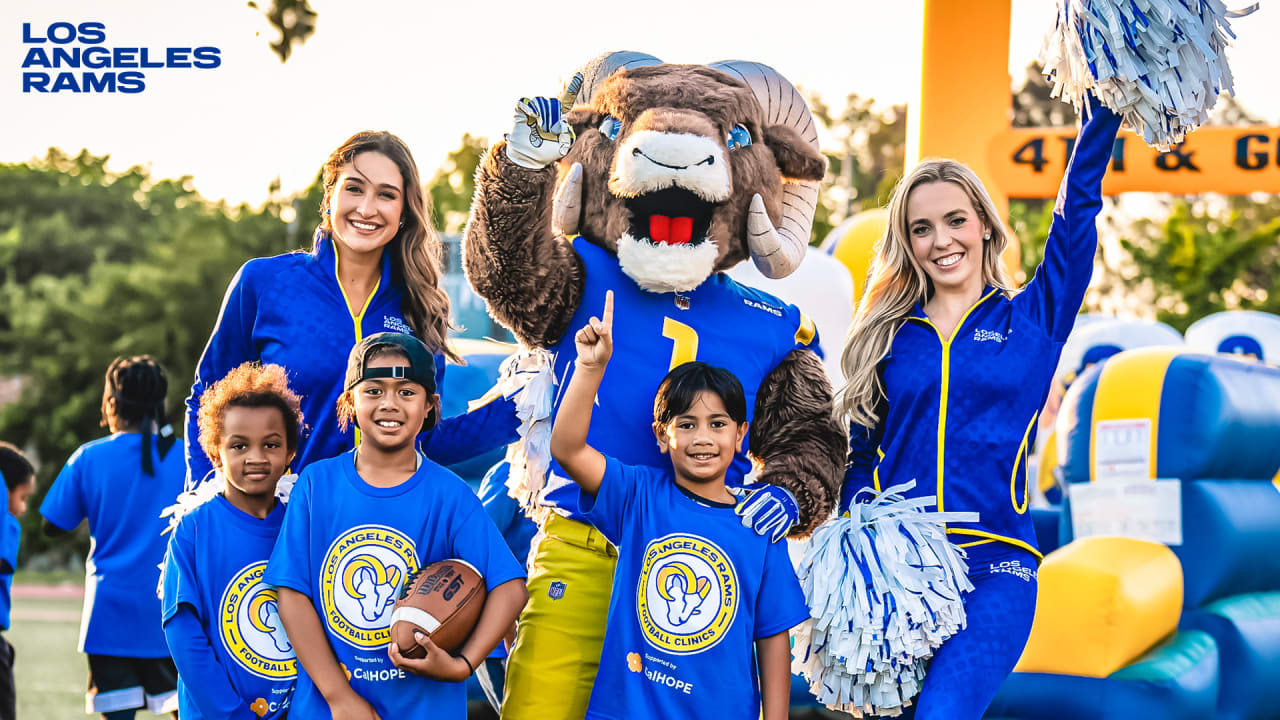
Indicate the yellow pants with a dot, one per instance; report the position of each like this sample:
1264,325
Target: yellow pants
557,652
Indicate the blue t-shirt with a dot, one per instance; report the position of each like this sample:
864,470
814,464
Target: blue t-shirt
348,547
217,556
693,590
103,482
10,537
726,324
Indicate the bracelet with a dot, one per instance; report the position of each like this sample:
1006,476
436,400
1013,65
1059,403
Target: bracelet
468,662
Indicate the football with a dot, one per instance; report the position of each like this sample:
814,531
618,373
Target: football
443,600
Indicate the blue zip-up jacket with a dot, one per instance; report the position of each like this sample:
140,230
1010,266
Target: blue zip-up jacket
290,310
959,413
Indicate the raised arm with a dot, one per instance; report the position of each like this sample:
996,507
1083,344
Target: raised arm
1054,295
530,276
802,446
583,463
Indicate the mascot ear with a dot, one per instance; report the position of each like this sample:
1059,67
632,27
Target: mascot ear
582,118
797,159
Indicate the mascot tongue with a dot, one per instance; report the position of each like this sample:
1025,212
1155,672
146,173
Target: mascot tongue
670,230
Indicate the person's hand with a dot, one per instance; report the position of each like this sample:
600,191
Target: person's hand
437,664
541,135
771,511
351,706
595,340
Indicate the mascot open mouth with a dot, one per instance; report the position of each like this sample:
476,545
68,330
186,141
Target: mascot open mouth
671,216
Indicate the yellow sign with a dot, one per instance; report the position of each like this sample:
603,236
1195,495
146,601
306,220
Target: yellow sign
1030,162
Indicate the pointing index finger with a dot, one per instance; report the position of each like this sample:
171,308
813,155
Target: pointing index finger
608,309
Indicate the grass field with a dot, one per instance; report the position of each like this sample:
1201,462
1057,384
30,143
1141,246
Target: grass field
50,674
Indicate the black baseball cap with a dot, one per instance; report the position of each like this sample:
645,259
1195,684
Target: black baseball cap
421,368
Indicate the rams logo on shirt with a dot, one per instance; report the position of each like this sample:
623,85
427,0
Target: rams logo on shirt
687,595
249,622
359,579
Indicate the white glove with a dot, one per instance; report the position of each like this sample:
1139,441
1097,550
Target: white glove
541,136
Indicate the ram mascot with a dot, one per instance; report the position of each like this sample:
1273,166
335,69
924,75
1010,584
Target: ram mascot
649,180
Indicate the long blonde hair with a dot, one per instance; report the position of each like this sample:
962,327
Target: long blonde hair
896,282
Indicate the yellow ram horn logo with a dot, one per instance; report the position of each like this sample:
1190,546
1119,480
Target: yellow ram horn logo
257,616
381,574
692,583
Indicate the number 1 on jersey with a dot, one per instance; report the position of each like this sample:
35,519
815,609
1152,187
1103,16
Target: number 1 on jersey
684,341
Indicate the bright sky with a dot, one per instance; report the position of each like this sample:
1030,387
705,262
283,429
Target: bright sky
430,71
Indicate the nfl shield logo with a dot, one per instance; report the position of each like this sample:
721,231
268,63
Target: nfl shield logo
556,591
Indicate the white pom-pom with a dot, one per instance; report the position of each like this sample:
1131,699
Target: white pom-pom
885,588
527,375
1161,64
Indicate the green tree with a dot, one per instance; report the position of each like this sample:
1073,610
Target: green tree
295,19
865,164
98,264
1204,259
454,184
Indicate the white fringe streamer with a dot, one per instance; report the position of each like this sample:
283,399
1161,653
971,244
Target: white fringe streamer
884,588
528,375
1159,63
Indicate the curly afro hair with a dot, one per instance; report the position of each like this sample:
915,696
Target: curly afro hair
251,385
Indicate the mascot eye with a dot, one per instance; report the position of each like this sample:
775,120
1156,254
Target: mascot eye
738,137
610,127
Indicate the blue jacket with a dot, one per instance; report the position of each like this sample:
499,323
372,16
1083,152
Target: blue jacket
959,413
291,311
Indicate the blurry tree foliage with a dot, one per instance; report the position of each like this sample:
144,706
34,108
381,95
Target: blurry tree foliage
95,264
864,162
295,19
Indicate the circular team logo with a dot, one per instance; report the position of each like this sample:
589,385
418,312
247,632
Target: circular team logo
359,580
249,620
687,597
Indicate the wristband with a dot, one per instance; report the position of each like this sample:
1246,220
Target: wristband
468,662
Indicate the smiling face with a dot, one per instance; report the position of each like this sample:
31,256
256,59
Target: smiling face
390,411
253,452
702,440
947,237
366,203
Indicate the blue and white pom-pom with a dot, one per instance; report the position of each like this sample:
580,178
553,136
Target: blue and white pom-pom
1161,64
528,376
885,588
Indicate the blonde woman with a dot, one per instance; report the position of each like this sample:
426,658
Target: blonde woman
947,366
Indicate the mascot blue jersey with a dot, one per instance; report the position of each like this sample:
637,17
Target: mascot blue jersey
214,566
290,310
348,545
693,590
960,412
746,331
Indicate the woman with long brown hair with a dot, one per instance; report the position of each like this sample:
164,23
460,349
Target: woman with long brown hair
374,266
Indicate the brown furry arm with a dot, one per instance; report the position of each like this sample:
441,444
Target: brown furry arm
800,442
530,277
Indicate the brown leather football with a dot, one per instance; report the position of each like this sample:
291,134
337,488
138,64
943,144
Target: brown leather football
443,600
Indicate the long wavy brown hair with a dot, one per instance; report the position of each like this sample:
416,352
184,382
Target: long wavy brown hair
415,249
896,282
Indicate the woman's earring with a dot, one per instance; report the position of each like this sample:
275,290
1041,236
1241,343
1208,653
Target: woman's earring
401,223
328,211
987,236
